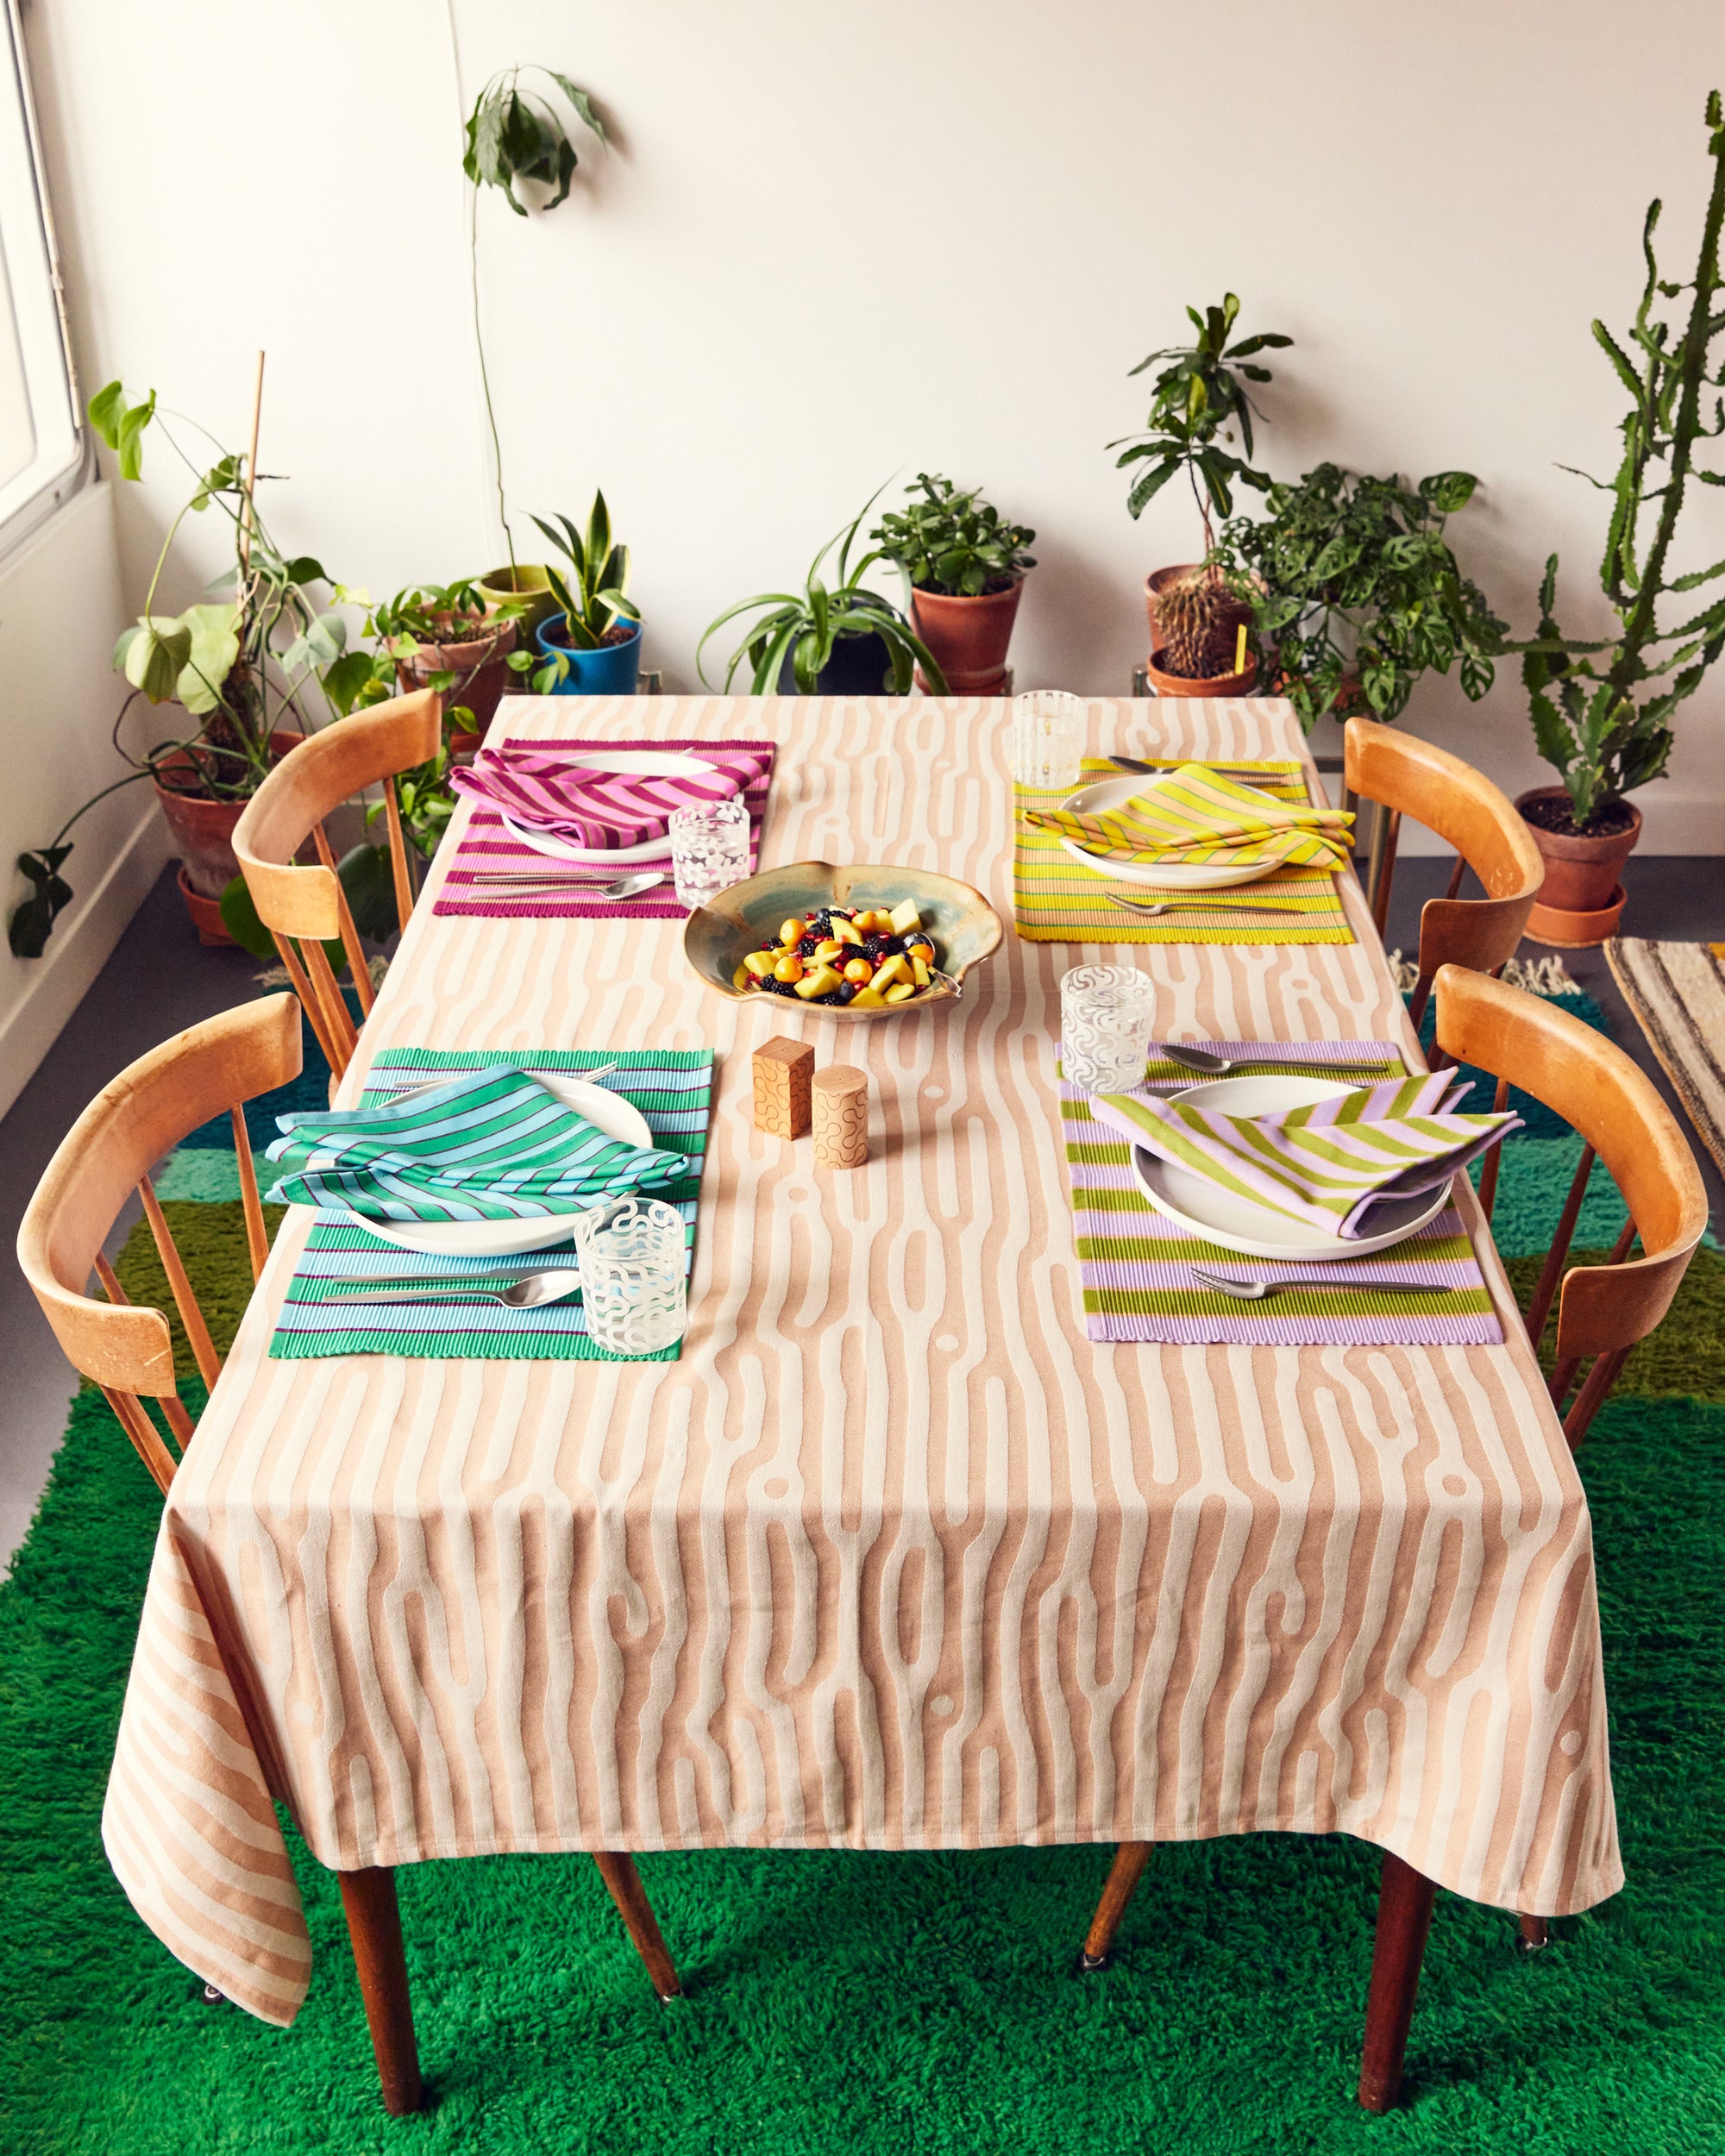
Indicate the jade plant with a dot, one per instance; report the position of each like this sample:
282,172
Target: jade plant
953,543
804,629
1355,591
1198,401
1602,711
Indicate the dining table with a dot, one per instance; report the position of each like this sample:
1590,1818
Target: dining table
893,1554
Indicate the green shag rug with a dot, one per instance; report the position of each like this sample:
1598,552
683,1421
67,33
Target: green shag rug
895,2003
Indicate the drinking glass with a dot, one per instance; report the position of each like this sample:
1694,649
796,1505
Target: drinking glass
709,848
632,1254
1048,737
1106,1013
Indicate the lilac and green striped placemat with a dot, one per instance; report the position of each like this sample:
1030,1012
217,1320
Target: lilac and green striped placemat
1135,1264
673,1088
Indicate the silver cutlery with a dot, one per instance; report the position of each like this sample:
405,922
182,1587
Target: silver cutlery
1255,1290
1245,774
528,1293
1211,1065
520,884
1149,909
431,1084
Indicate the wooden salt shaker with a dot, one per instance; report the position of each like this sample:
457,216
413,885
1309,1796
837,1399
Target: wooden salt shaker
782,1072
841,1117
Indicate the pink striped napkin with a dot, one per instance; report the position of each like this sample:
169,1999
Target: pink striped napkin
537,784
489,843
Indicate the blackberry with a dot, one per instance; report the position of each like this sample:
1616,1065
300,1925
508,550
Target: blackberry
893,944
874,947
809,945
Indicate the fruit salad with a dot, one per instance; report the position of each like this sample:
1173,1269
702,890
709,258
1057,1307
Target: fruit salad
867,958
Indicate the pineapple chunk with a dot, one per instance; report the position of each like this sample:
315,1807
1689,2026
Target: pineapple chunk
742,978
868,999
919,972
904,916
822,982
897,968
760,962
845,931
901,992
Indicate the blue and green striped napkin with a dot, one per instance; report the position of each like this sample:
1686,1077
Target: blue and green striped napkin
672,1087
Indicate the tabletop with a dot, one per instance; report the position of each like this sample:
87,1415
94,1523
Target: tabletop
892,1556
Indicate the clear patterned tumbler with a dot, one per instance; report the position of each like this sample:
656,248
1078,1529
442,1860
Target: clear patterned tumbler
633,1255
1105,1014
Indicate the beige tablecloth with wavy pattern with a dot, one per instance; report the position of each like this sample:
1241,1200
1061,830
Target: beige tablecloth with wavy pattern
893,1558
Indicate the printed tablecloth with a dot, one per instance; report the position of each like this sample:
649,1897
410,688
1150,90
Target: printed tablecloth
894,1556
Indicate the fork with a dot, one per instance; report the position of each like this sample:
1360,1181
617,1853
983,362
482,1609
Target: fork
1200,905
1255,1289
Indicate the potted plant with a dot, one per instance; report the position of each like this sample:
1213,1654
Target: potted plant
1354,593
964,572
1199,401
592,647
242,668
1602,711
828,639
448,638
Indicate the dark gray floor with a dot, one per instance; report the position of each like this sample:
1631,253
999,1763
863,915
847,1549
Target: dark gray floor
160,979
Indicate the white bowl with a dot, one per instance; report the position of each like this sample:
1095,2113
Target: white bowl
645,763
1257,1230
1113,793
605,1110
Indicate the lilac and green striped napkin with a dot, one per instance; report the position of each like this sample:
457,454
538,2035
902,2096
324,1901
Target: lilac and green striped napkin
672,1087
1135,1265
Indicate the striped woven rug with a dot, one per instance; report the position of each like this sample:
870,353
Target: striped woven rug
1677,991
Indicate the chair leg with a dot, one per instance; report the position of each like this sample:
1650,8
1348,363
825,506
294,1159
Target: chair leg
1531,1933
1404,1917
1124,1874
618,1870
374,1927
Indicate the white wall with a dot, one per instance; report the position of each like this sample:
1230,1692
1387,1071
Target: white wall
837,244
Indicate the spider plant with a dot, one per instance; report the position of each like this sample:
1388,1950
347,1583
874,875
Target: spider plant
805,627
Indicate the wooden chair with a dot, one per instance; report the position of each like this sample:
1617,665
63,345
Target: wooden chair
129,1351
1410,777
132,1122
1603,1311
306,906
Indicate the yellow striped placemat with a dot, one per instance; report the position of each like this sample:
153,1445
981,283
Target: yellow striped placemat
1054,901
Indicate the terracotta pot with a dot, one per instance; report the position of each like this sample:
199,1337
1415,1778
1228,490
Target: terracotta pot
1241,684
1582,898
968,636
485,652
203,835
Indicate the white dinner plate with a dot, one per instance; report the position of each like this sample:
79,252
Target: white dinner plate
645,763
605,1110
1238,1224
1113,793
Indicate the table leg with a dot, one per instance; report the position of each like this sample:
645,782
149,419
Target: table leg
1124,1874
1404,1917
617,1868
374,1927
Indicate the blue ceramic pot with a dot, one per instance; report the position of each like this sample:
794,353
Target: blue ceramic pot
613,670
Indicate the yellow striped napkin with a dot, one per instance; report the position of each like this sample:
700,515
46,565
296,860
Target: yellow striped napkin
1197,817
1056,899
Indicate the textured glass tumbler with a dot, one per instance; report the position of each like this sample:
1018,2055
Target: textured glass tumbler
1048,737
709,849
632,1256
1106,1013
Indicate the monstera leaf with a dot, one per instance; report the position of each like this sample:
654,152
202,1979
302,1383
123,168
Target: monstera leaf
32,921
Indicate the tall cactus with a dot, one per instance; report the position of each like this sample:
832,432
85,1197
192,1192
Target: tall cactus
1197,625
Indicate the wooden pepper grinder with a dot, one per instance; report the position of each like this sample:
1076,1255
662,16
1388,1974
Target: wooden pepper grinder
840,1100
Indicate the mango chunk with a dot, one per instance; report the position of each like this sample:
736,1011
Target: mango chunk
897,968
904,916
821,982
759,962
901,992
868,999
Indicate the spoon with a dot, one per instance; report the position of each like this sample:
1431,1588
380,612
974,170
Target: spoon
1255,1290
1199,905
1240,772
509,884
1213,1066
526,1294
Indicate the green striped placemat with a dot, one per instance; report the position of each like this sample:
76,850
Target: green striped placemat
672,1087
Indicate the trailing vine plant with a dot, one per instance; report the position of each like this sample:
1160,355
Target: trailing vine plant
515,134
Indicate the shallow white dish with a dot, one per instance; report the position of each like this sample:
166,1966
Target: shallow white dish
1113,793
1256,1232
645,763
604,1109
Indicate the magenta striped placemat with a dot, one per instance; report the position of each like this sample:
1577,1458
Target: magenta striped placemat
488,845
1135,1264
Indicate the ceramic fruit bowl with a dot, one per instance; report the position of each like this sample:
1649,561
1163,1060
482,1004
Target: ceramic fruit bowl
747,919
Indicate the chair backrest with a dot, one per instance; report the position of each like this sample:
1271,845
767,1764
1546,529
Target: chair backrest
134,1119
1412,777
305,906
1602,1310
